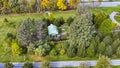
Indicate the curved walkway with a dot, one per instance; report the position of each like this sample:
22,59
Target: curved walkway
64,63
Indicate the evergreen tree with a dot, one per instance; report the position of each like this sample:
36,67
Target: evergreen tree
41,30
101,48
108,40
26,32
109,51
115,45
81,30
91,50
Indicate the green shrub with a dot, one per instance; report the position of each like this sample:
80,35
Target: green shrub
106,27
65,45
5,22
53,52
62,51
70,20
47,21
103,62
52,43
40,51
16,49
59,21
45,64
47,48
51,17
8,65
99,18
27,65
83,65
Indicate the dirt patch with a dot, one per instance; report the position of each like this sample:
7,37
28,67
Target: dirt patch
36,58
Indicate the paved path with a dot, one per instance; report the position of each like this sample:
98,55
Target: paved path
64,63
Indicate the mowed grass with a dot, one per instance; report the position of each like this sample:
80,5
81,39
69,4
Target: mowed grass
107,10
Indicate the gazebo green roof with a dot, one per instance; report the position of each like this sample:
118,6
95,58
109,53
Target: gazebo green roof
52,30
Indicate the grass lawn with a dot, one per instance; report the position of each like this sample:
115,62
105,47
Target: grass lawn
107,10
65,58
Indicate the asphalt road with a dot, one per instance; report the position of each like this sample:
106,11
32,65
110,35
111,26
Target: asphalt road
64,63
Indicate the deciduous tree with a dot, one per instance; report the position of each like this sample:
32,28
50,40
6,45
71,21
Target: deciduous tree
61,4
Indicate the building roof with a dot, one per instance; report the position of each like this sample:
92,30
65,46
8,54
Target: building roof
52,30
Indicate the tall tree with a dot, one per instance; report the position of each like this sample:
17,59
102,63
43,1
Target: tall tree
45,5
26,32
73,3
53,4
61,4
81,31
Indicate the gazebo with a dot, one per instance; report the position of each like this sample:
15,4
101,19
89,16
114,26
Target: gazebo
52,31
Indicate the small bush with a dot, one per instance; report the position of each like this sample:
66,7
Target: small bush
70,20
5,22
45,64
83,65
16,49
53,52
59,21
27,65
62,51
103,62
8,65
52,43
40,51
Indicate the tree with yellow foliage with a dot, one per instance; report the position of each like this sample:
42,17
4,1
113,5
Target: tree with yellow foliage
61,4
45,4
73,3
